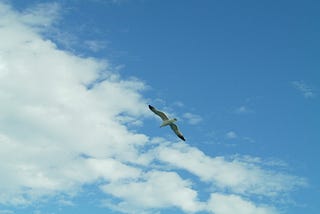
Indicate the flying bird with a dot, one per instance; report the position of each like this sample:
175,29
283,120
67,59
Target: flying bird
166,121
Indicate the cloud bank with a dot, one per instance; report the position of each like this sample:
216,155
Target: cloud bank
64,123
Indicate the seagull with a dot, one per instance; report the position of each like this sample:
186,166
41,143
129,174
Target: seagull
167,121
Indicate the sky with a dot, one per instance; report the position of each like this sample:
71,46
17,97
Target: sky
241,77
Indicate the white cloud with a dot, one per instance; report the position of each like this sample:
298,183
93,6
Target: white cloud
305,89
230,204
49,117
57,134
156,189
234,175
192,119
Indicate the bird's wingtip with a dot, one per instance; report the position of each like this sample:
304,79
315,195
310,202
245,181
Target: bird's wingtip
182,138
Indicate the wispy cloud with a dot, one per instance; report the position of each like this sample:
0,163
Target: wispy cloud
192,119
231,135
41,15
57,136
95,45
178,104
243,110
306,90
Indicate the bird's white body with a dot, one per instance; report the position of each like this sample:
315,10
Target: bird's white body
168,122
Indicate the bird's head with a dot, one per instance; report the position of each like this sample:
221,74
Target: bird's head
175,119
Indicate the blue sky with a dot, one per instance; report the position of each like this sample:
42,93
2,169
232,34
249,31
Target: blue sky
76,135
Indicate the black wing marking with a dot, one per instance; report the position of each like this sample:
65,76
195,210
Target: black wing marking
159,113
174,127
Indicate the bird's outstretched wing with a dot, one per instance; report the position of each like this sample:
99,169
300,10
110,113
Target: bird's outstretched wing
159,113
174,127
